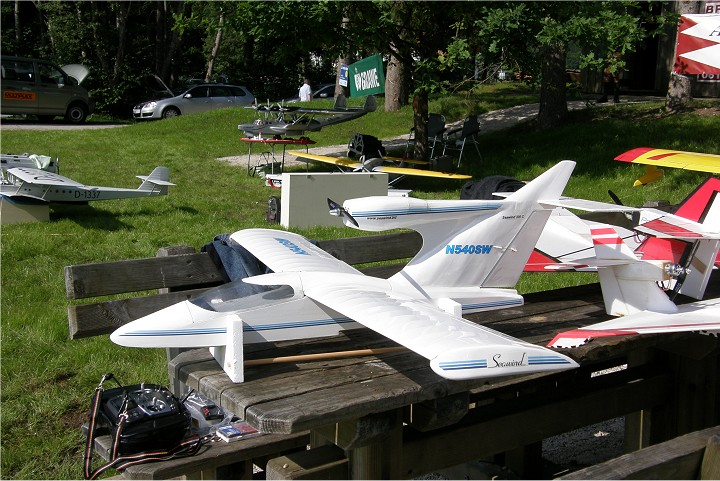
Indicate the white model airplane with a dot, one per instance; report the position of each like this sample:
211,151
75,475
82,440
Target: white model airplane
631,285
274,120
566,241
472,251
28,184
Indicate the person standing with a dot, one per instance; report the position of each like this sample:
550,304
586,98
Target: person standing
305,92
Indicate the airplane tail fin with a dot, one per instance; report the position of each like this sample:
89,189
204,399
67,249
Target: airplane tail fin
340,102
484,243
157,181
370,104
628,284
702,206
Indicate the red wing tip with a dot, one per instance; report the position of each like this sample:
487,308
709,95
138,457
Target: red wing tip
633,154
578,337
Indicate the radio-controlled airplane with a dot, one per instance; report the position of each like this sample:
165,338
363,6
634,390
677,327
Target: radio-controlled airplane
278,120
473,251
566,241
631,288
34,185
677,159
675,255
389,165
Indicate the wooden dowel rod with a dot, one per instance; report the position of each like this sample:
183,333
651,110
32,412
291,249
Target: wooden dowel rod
324,355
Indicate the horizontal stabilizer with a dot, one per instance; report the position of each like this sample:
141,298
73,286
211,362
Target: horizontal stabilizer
693,317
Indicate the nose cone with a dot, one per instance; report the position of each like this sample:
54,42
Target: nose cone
180,325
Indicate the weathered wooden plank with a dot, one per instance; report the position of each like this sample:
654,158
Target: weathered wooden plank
212,456
678,458
323,462
710,468
494,429
97,318
134,275
376,248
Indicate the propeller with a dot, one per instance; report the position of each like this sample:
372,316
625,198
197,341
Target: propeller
338,210
615,198
634,217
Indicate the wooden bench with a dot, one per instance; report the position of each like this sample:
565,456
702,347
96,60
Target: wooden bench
694,455
178,273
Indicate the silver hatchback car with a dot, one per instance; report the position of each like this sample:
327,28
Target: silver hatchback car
196,99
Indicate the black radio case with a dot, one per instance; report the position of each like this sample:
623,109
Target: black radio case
156,419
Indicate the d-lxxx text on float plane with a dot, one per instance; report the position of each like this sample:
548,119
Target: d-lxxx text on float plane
24,184
473,250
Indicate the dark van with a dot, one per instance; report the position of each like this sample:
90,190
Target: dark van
37,87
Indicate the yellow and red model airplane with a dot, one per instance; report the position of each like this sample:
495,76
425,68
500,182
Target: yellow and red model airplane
654,158
389,165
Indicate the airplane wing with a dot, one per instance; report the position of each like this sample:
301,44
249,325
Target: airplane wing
672,158
342,162
419,172
695,316
586,205
676,159
283,251
675,227
457,348
42,177
351,164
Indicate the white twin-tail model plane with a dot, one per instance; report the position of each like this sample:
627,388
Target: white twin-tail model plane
24,184
677,256
473,250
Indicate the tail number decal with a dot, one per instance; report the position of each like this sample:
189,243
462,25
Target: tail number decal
468,249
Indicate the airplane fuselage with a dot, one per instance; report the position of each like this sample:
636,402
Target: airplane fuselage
70,194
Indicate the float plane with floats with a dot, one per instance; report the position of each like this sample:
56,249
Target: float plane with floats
25,184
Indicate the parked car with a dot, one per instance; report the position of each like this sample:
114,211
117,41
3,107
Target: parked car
196,99
37,87
324,91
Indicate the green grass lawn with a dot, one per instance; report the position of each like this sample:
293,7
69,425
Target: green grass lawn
48,380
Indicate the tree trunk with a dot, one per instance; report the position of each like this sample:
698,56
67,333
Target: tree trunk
679,92
553,101
420,120
396,93
215,49
123,12
17,27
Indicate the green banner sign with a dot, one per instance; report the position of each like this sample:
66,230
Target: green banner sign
366,77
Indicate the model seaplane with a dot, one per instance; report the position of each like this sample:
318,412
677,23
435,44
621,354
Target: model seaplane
473,253
290,120
26,184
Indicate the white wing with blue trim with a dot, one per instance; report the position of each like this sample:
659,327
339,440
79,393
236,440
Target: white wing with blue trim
457,348
284,251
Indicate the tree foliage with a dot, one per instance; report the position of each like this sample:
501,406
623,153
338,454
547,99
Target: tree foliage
270,46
